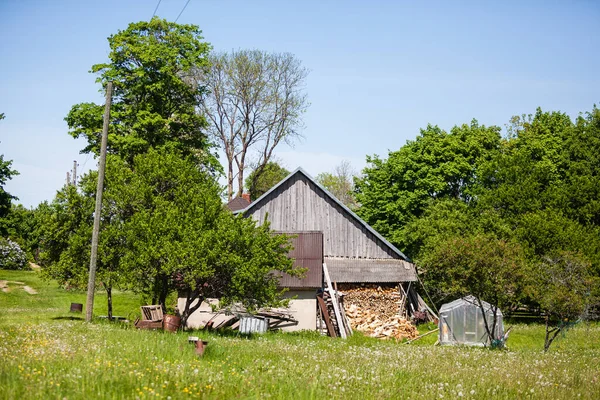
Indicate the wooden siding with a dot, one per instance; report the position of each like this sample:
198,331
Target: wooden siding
300,205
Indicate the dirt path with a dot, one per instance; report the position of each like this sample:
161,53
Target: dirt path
29,290
6,289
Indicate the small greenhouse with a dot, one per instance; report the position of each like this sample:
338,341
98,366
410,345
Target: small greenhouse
461,322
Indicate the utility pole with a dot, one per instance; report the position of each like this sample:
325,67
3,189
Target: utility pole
98,210
68,178
74,172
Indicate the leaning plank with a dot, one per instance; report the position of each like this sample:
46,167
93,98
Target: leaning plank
336,307
325,314
423,335
343,312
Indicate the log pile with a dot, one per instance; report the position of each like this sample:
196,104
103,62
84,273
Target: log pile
375,312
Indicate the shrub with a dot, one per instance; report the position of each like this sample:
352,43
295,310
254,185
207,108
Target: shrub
11,255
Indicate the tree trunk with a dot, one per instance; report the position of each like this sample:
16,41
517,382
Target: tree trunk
241,163
109,302
229,179
188,309
551,334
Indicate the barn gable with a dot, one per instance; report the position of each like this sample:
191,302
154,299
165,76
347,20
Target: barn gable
352,249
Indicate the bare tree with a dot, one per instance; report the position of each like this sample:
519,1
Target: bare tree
340,183
254,101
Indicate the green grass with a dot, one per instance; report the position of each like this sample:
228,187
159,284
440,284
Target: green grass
53,358
52,301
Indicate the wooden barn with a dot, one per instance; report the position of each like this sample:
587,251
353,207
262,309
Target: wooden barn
325,231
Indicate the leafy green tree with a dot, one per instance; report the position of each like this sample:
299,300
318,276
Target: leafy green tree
565,290
580,194
437,165
525,174
65,232
272,174
6,173
20,225
179,237
491,270
154,103
340,183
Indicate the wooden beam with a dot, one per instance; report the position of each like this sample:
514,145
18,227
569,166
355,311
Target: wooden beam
336,308
325,314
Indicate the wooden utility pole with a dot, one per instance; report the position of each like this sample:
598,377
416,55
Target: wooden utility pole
98,210
74,172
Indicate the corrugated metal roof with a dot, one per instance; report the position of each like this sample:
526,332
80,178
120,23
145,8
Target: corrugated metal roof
307,253
352,214
352,270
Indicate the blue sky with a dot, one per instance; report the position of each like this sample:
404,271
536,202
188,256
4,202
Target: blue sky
380,70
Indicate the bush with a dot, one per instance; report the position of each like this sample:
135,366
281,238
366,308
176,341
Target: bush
11,255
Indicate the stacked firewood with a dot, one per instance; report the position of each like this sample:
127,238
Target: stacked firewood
375,312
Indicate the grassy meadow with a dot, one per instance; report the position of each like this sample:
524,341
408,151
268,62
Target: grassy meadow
48,353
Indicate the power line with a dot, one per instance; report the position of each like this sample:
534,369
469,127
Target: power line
182,10
156,9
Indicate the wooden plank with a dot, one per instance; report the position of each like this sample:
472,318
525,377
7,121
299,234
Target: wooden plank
325,314
346,321
336,308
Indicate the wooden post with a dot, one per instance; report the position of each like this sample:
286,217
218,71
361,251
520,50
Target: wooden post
336,309
89,307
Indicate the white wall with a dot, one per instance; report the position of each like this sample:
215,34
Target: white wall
303,308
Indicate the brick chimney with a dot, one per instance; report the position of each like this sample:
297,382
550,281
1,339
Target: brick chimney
247,197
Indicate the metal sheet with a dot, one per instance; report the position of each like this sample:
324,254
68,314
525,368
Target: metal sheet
253,325
353,270
307,253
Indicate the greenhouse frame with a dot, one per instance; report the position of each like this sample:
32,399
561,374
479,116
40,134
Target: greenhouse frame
461,322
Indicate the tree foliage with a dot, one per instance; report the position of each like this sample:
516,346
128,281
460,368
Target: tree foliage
437,165
565,292
490,269
254,102
155,101
6,173
272,174
340,183
535,190
164,229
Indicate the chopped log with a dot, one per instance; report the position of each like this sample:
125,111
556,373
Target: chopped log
375,311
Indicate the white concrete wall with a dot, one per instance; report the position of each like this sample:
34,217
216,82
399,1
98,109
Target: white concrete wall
201,316
303,308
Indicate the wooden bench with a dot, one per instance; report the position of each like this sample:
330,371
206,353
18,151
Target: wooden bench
152,318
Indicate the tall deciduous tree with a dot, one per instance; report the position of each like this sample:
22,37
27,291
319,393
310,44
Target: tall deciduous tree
340,183
437,165
154,102
272,174
254,102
